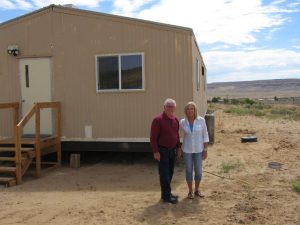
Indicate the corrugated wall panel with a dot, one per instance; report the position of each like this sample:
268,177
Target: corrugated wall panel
32,37
117,114
200,97
73,40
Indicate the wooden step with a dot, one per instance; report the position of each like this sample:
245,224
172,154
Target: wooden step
10,181
7,159
26,141
7,169
13,149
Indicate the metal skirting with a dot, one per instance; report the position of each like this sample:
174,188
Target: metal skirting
83,146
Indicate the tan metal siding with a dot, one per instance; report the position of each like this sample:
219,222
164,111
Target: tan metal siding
73,40
33,38
199,96
117,114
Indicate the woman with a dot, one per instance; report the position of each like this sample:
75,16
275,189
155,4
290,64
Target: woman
194,146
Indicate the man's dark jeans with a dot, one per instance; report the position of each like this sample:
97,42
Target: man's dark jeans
166,170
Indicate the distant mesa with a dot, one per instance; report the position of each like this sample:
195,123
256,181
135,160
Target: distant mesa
255,89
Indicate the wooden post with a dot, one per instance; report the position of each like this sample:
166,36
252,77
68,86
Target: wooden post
37,141
18,155
58,132
16,118
210,123
75,161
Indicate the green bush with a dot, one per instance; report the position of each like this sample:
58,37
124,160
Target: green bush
259,113
262,109
259,106
296,186
226,167
248,101
234,101
216,99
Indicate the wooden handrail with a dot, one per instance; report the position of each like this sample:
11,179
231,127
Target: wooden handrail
15,107
48,104
9,105
27,117
35,110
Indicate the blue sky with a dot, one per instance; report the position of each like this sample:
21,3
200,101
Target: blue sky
239,39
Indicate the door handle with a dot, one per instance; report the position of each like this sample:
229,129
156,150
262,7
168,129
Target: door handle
23,100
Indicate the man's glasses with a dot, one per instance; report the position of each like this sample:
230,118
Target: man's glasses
170,106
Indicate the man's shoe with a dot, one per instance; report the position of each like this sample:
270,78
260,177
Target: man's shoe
171,195
171,200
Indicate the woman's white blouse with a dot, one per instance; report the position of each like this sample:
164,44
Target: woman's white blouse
193,141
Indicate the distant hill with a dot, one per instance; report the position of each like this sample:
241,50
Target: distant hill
255,89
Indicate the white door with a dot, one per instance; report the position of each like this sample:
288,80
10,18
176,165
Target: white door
36,87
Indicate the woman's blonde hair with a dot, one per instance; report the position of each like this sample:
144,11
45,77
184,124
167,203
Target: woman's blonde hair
195,109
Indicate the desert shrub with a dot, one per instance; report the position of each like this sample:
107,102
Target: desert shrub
283,111
296,186
226,167
248,101
259,113
247,106
216,99
262,109
237,110
259,106
234,101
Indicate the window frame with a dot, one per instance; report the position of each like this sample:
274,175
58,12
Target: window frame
119,55
198,82
203,72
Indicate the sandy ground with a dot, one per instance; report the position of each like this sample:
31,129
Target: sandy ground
116,192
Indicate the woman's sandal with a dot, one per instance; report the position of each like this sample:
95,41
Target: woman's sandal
199,194
190,195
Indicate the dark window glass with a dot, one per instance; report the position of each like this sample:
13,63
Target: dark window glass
203,71
132,72
197,75
108,72
27,75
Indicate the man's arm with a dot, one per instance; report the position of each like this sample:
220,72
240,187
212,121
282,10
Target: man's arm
178,144
155,128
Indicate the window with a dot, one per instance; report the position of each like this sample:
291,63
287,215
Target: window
203,74
120,72
197,74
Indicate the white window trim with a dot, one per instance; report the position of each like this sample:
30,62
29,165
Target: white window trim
204,76
198,83
120,81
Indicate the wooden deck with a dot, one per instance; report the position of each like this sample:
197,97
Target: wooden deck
19,152
25,141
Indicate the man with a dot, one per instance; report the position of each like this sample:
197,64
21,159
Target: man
165,141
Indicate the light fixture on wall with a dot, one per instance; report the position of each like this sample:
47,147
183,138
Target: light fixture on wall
13,50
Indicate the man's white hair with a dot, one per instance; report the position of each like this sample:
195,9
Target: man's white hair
170,101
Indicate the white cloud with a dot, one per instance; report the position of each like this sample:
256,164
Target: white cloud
296,46
234,22
128,6
26,4
228,21
84,3
252,65
5,4
16,4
